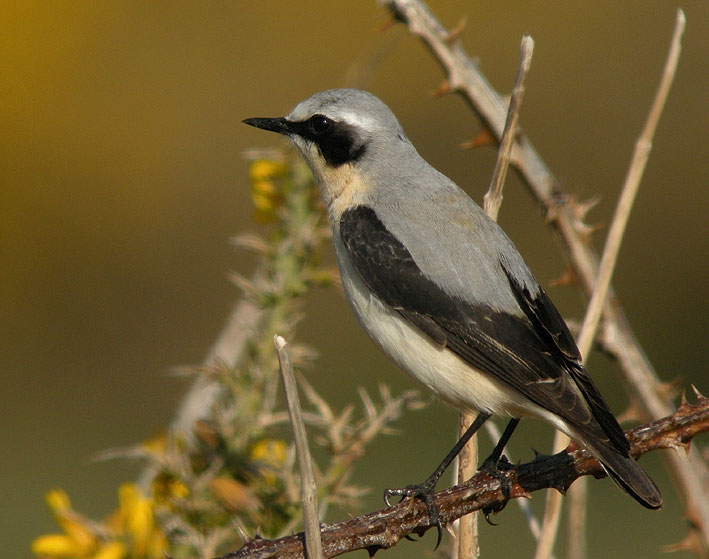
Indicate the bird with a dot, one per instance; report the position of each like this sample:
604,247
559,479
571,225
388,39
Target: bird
443,291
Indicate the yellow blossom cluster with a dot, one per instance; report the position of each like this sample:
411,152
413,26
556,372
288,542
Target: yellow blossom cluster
130,532
265,192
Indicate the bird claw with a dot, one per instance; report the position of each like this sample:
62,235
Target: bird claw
424,492
496,469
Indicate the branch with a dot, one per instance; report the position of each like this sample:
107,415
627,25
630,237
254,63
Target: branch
308,490
384,528
493,199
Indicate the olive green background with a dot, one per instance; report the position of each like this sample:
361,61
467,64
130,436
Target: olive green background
123,181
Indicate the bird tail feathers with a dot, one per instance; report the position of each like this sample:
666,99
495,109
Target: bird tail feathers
627,474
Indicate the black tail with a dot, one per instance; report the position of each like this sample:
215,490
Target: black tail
627,475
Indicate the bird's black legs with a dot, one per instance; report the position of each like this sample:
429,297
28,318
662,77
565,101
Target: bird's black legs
491,467
494,457
425,490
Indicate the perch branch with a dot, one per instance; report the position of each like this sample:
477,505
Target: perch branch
385,528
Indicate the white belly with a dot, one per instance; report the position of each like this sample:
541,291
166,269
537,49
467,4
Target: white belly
438,369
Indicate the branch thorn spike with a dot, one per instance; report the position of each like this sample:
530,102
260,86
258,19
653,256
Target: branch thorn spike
484,138
455,32
442,90
698,395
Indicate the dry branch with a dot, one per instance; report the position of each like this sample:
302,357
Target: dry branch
308,490
384,528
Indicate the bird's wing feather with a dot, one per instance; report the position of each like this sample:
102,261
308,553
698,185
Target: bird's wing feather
548,322
532,351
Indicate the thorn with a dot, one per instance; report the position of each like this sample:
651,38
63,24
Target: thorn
580,209
670,389
632,413
698,395
568,278
484,138
243,534
386,25
246,285
691,542
442,90
586,231
687,446
252,243
454,33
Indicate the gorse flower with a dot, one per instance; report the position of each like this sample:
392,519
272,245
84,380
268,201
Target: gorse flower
266,192
130,532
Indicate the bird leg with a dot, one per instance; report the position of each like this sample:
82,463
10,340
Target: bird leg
491,466
425,490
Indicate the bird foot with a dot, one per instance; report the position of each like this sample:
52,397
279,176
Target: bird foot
425,492
497,468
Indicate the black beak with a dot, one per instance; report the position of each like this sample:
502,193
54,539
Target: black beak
279,125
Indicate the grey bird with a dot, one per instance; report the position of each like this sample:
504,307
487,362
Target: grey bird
443,291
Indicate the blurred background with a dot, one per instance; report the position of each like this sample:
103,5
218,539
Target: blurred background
123,182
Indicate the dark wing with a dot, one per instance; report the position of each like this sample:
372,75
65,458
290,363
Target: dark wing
547,321
533,353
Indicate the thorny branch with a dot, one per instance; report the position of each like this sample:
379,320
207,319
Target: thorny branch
383,529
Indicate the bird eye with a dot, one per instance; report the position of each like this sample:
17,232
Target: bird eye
320,124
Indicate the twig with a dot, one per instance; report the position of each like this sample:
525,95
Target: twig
532,522
308,490
465,77
384,528
609,259
576,520
630,189
493,197
468,547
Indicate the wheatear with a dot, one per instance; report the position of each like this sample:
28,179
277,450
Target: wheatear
443,291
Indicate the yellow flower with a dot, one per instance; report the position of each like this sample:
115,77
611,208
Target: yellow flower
138,513
265,192
166,489
267,169
272,454
77,540
127,533
111,550
56,545
134,520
